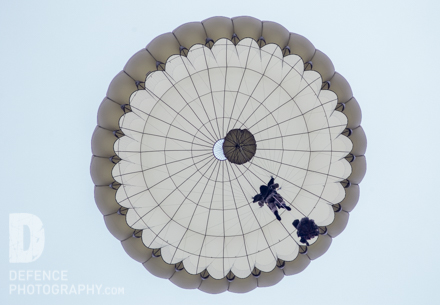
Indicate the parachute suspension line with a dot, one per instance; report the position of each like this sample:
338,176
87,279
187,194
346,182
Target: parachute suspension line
140,84
260,41
238,90
303,250
122,211
259,224
114,185
261,80
347,132
137,233
235,39
183,50
194,212
178,267
350,157
114,159
160,65
210,81
126,108
346,183
204,274
281,264
256,272
337,208
326,85
199,98
155,253
208,41
234,196
230,276
323,230
209,215
118,133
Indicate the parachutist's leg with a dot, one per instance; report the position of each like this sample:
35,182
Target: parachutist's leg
277,215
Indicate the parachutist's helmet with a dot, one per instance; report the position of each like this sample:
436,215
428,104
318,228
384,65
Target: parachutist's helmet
295,223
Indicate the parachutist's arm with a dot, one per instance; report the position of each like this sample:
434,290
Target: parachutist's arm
272,179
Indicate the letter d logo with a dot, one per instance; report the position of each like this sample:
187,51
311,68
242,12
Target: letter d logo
17,253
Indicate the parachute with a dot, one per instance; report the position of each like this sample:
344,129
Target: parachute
192,127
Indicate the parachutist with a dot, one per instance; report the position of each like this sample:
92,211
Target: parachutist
270,196
306,229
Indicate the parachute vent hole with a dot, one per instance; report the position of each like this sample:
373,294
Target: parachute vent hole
217,150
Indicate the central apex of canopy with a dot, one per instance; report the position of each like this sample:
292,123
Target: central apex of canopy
239,146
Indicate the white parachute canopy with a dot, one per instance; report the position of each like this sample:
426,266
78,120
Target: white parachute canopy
180,195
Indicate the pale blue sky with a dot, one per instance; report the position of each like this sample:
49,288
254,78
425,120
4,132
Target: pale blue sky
57,59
